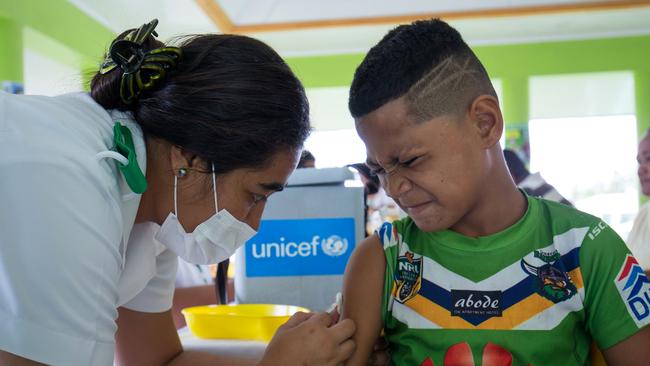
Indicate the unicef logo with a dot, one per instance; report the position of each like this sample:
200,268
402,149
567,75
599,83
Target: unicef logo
334,246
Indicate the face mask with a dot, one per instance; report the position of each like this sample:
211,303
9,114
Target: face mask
213,241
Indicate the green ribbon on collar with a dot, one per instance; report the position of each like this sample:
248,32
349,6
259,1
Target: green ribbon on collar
123,144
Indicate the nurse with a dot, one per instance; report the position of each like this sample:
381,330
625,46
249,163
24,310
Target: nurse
173,154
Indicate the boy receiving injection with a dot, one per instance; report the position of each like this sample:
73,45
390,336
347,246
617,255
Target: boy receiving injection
479,273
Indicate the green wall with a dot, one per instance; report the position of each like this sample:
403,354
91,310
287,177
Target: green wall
626,53
55,28
11,51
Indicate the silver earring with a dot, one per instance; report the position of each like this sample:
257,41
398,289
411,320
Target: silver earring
182,172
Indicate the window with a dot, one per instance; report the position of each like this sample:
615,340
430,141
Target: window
336,148
583,141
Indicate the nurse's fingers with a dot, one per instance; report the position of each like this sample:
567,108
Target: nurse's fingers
324,319
297,319
343,330
346,349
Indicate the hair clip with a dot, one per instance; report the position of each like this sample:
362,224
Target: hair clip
141,70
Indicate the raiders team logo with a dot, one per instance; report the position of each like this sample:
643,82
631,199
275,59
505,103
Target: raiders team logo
408,277
553,282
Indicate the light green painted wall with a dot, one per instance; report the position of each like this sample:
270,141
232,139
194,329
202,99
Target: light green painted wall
55,28
626,53
11,51
642,94
324,71
515,99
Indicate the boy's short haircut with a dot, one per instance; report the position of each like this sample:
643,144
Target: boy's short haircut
429,64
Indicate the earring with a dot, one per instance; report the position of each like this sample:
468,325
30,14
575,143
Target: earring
182,172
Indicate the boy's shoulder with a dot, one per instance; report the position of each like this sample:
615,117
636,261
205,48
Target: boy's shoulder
391,233
562,217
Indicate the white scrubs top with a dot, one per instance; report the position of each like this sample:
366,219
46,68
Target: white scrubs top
66,217
190,275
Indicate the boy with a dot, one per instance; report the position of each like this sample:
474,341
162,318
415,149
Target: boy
479,273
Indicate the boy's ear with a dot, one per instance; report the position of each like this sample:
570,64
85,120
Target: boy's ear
486,117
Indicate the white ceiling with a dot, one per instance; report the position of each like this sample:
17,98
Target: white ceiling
246,12
179,17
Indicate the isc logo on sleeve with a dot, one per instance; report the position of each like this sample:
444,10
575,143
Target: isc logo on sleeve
634,287
306,247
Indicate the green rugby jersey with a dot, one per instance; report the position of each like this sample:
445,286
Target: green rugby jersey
536,293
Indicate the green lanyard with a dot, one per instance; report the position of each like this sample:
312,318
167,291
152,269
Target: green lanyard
123,144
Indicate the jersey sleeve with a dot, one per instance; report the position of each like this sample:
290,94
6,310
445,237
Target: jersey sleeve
390,241
617,292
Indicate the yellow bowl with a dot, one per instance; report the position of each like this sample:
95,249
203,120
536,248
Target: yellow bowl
243,321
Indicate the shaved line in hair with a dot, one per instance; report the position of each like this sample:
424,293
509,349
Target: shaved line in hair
448,88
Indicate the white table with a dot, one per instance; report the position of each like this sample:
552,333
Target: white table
225,347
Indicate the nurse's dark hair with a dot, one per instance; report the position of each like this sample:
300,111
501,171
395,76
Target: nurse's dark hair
426,62
231,100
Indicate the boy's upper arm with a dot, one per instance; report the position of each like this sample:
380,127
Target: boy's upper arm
633,351
616,290
363,287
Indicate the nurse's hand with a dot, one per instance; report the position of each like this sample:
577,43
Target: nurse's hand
309,339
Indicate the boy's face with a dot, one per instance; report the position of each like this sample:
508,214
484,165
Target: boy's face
432,169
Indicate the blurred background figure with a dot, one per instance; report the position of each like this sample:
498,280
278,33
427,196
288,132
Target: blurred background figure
531,183
381,208
194,286
197,285
307,160
639,239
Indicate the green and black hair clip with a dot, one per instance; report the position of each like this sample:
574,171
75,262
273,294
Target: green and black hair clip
142,70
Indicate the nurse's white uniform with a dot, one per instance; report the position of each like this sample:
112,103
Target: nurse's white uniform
66,216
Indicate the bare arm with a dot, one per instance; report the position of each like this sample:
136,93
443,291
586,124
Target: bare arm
150,339
362,293
191,296
7,358
634,351
145,339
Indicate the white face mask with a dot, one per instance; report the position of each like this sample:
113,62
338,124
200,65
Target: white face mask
213,241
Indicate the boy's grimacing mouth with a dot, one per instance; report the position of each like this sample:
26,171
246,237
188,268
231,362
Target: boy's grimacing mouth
417,208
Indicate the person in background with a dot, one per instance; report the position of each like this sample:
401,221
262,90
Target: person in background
533,183
196,285
479,272
380,207
370,182
639,238
307,160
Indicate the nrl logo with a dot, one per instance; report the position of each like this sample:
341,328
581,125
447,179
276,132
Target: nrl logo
408,278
